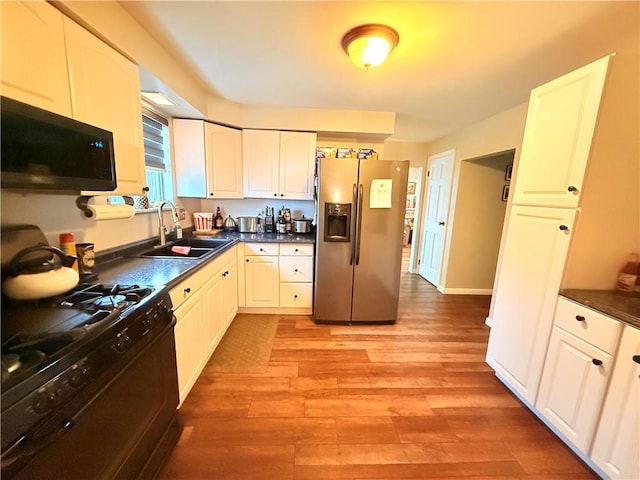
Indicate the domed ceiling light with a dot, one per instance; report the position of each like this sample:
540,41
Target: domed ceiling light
368,45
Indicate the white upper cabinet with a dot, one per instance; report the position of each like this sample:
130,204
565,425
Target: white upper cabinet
557,139
208,159
34,59
278,164
105,92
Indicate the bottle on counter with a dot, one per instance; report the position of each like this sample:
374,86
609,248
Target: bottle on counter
628,275
68,246
218,221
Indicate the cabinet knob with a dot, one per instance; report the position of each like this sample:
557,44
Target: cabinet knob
261,250
580,318
571,188
282,194
636,358
296,250
247,260
145,189
563,228
211,194
441,224
596,362
296,270
295,296
187,290
275,194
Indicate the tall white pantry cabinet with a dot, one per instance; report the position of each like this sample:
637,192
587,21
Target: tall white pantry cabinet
548,184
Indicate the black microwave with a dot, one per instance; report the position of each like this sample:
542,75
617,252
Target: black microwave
43,150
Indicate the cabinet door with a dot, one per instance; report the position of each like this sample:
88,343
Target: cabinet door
230,292
616,449
224,161
297,165
261,156
190,166
189,349
526,289
572,387
33,56
213,320
105,92
557,139
261,281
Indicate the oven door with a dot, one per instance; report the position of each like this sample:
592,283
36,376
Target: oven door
125,432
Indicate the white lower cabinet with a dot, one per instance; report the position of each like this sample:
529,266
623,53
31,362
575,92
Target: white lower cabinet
277,278
204,305
616,448
296,276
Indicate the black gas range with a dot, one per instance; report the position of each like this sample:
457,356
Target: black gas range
89,384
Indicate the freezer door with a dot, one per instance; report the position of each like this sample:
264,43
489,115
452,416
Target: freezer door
334,274
379,234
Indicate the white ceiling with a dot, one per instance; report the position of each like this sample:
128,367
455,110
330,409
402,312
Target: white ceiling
456,63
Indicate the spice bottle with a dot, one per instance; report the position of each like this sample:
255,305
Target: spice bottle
628,275
68,246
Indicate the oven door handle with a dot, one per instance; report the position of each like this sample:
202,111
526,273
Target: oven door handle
21,452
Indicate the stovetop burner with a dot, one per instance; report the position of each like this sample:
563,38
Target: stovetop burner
35,333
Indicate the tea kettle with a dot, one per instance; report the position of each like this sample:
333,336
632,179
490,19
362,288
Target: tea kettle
29,280
230,224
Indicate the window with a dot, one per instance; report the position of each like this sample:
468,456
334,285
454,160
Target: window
157,160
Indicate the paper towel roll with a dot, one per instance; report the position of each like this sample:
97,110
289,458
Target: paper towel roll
108,212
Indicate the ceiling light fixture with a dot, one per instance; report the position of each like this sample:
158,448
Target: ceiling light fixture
158,98
368,45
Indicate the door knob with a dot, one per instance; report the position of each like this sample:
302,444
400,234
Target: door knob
441,224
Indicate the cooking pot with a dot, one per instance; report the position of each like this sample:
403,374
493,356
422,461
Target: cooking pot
302,225
29,280
248,224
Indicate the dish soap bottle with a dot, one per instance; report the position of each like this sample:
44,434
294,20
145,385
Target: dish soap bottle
628,275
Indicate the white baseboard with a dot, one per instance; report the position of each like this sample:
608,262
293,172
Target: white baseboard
465,291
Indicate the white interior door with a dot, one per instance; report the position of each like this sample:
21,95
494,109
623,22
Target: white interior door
440,169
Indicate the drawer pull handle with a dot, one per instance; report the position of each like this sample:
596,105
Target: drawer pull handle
580,318
261,250
187,290
571,188
596,362
295,296
563,227
296,250
636,358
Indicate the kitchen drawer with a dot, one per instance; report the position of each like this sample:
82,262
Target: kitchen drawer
287,249
593,327
261,249
194,282
296,295
296,269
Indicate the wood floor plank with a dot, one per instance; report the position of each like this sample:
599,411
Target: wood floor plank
414,400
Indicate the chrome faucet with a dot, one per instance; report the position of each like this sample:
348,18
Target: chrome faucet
162,229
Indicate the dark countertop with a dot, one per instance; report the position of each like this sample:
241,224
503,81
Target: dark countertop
620,305
122,265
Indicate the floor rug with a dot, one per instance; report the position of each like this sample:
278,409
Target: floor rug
246,346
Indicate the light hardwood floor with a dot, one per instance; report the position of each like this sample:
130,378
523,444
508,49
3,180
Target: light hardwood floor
413,400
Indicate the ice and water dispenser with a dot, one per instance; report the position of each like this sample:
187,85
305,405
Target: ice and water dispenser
337,222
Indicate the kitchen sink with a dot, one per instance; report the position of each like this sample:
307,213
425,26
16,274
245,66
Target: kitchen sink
165,251
199,248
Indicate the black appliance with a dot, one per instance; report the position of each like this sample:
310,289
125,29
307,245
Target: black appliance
43,150
89,384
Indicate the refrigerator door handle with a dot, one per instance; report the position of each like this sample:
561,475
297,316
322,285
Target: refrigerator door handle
353,241
359,227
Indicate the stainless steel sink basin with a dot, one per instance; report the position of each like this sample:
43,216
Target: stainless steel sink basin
202,242
199,248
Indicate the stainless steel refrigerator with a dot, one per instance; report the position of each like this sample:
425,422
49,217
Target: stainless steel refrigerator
360,209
